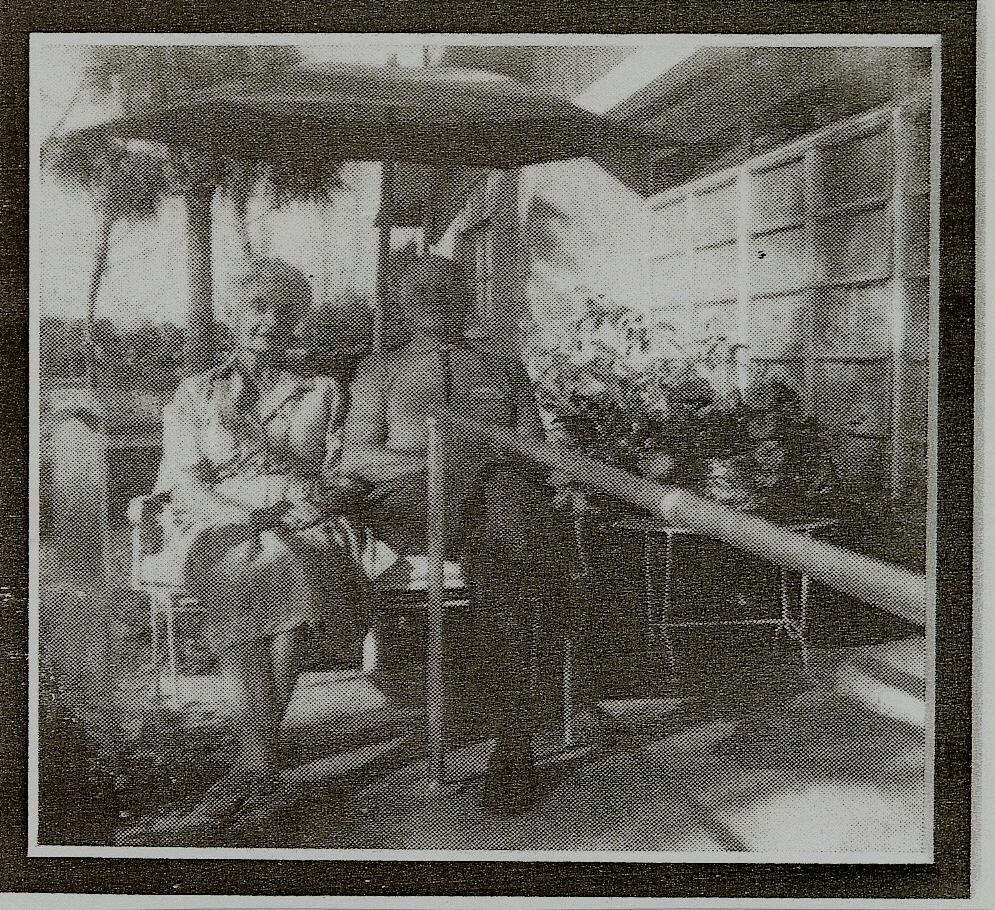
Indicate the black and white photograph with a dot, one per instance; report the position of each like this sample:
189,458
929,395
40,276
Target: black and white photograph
489,448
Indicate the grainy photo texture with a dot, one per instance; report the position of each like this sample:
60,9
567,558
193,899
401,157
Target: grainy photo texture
511,448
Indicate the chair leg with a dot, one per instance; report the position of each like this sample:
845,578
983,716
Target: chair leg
154,609
534,662
372,651
174,670
568,692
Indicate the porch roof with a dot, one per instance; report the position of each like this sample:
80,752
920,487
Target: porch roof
703,105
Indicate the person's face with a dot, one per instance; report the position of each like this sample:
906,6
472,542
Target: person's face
435,299
267,317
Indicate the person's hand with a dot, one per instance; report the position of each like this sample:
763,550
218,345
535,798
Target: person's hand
266,517
564,489
302,515
560,480
657,466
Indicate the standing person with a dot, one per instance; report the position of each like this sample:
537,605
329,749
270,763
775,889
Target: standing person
502,525
244,449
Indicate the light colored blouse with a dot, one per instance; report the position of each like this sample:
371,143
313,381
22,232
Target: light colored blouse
275,451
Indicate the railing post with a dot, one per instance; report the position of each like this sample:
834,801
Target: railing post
436,533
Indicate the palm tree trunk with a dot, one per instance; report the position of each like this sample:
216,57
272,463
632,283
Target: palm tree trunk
107,217
199,335
383,255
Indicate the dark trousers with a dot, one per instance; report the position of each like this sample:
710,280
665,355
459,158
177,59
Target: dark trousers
516,555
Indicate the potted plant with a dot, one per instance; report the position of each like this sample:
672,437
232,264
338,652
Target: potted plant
684,415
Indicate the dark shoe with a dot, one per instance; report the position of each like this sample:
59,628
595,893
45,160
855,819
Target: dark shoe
594,726
510,784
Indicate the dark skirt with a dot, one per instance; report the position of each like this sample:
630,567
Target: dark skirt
259,584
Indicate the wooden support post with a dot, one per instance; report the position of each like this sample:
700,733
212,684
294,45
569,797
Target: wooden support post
382,301
437,517
198,343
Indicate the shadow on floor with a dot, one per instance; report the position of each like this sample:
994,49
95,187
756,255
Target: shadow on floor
758,763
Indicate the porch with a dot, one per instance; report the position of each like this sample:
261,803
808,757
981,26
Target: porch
763,766
745,747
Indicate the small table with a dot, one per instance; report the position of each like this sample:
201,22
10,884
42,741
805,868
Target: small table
790,623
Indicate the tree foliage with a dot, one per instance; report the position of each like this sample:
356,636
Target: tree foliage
128,181
136,176
146,353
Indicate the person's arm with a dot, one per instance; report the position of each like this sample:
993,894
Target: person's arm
530,426
364,436
330,493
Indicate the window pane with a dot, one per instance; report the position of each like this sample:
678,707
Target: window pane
780,262
857,246
858,168
716,213
915,170
778,195
780,326
668,227
855,321
917,235
855,397
716,272
917,318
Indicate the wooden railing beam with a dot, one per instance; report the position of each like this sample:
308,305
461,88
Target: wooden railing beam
880,584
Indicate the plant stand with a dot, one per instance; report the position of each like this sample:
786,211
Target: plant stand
789,621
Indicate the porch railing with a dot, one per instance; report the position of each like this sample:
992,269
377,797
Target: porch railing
80,469
880,584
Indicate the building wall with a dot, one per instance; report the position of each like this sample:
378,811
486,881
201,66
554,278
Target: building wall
815,254
560,70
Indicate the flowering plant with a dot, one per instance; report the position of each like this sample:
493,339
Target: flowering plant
683,415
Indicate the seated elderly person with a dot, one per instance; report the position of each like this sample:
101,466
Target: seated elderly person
244,447
502,526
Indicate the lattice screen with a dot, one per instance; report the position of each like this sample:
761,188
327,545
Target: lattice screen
817,256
